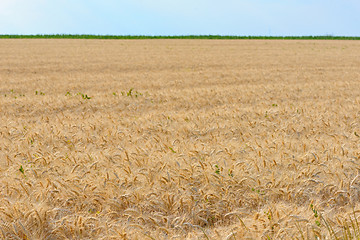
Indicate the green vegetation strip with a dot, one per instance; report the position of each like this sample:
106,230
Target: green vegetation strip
83,36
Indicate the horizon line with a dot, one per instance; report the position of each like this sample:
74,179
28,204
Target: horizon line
190,36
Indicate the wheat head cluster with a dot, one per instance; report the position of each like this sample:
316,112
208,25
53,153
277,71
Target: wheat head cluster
179,139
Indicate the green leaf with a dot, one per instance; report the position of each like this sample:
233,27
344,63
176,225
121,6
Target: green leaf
21,169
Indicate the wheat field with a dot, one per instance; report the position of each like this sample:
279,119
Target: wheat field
179,139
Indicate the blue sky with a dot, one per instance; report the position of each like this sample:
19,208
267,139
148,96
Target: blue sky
181,17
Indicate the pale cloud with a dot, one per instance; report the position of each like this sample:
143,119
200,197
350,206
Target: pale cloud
9,7
35,16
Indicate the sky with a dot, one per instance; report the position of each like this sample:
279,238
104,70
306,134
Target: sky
181,17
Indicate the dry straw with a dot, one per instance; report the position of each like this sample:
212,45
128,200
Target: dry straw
179,139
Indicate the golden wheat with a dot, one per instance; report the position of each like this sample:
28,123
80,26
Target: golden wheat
179,139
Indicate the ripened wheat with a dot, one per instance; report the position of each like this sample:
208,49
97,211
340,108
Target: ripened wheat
179,139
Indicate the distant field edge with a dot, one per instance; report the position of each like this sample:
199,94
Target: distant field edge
84,36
